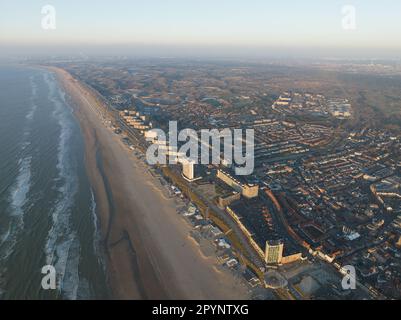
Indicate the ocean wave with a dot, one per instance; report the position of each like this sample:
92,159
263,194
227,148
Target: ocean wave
69,284
97,238
62,248
34,92
18,198
19,192
20,189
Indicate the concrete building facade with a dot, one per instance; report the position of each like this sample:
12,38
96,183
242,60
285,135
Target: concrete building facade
274,252
247,190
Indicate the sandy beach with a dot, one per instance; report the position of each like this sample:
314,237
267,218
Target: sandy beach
149,254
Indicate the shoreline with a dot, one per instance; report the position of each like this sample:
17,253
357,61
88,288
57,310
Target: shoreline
148,253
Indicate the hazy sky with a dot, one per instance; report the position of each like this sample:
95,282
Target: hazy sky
248,23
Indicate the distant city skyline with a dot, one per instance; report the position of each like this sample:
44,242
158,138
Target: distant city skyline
219,25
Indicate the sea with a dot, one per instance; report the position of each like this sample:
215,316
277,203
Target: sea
50,246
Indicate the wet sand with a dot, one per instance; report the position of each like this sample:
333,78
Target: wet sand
149,253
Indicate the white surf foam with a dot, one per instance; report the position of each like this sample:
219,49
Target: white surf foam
18,198
20,189
31,112
97,238
62,246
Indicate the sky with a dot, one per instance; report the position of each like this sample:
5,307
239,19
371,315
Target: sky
239,25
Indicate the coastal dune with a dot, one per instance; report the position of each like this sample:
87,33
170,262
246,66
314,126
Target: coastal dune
148,251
